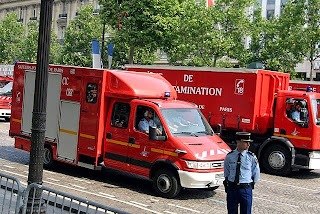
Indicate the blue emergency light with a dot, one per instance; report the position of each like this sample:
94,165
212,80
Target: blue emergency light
309,89
166,94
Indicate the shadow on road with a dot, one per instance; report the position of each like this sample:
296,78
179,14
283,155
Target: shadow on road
117,179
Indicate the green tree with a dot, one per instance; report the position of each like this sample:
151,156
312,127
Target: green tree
78,38
204,35
139,26
30,45
11,35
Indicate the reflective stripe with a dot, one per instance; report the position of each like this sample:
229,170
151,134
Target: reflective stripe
292,136
15,120
164,152
87,136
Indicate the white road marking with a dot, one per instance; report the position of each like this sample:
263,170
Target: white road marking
185,208
52,179
276,202
105,194
152,199
169,212
81,187
145,205
289,185
82,180
10,167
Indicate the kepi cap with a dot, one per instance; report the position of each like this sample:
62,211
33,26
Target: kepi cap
243,136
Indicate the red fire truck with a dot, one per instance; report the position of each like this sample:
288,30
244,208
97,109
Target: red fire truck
256,101
303,85
96,115
6,83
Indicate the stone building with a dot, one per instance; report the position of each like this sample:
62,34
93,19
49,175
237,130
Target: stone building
29,10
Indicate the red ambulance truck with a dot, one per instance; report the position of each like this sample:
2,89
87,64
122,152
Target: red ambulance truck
6,83
256,101
96,115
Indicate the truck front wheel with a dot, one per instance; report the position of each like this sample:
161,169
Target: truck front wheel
277,160
166,184
48,157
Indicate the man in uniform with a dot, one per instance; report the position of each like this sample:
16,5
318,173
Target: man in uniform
241,172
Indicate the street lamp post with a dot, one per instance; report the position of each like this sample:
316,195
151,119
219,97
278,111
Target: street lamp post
39,108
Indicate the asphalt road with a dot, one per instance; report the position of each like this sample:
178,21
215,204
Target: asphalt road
297,193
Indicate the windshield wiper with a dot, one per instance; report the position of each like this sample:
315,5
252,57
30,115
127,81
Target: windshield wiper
189,133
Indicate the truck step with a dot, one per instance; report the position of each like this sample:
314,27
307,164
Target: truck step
89,166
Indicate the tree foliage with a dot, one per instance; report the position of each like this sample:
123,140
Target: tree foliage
139,24
11,35
78,38
30,45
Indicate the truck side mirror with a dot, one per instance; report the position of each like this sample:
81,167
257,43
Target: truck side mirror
219,129
153,134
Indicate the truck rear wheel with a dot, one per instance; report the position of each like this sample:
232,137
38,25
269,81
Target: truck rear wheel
166,184
48,157
277,160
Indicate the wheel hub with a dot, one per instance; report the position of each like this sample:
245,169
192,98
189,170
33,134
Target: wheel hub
164,183
277,160
46,158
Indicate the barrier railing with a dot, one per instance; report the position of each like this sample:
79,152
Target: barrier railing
54,201
11,193
40,199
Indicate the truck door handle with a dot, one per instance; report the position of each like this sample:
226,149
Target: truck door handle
83,110
109,135
132,140
283,131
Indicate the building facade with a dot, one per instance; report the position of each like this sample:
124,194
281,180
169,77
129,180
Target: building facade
29,10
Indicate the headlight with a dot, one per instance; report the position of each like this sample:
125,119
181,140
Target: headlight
204,165
314,154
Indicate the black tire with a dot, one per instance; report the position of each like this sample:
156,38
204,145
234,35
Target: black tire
166,183
277,160
7,119
48,157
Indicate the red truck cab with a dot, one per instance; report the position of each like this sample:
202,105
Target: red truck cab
96,116
303,134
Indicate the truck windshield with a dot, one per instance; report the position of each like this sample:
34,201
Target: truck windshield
185,121
316,110
6,90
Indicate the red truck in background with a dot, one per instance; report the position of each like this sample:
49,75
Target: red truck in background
6,82
257,101
303,85
93,116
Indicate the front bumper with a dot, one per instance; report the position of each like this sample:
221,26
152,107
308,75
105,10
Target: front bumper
200,180
5,113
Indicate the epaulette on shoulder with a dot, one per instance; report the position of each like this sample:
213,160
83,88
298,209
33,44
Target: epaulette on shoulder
251,153
230,152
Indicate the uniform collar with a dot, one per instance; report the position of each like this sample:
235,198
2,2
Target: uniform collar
242,153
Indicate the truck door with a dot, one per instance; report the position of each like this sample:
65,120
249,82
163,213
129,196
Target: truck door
90,101
68,132
142,151
117,135
295,123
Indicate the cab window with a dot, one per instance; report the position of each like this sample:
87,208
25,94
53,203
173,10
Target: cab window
120,115
91,93
297,111
146,117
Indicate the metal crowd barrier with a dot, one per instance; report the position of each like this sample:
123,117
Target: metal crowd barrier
14,199
54,201
11,193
